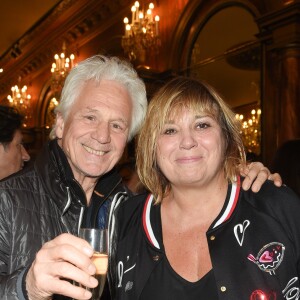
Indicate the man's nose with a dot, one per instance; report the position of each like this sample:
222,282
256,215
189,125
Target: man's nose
25,154
102,133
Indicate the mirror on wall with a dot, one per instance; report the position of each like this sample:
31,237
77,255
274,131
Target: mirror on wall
226,54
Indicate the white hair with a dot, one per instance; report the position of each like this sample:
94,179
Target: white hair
97,68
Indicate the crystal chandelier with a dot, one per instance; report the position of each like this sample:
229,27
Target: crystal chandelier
60,69
142,34
251,131
20,100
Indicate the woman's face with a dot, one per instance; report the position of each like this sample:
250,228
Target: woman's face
190,149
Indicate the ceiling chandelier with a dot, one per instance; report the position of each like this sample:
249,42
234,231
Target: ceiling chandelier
60,69
20,100
141,36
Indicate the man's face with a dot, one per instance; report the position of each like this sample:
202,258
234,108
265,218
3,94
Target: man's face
12,156
95,132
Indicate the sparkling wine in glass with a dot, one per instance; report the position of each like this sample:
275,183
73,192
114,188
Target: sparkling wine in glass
98,239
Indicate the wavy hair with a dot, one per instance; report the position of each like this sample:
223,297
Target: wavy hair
99,68
182,92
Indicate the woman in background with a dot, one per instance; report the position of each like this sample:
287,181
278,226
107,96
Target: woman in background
198,235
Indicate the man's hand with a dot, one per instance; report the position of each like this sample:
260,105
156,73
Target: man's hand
58,263
256,174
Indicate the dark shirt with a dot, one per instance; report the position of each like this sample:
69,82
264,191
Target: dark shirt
101,221
164,283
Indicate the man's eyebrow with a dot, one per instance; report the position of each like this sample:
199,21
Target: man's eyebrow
89,109
122,120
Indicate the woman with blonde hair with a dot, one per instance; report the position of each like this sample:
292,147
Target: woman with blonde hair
197,234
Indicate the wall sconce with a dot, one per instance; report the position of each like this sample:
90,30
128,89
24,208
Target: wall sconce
50,113
251,131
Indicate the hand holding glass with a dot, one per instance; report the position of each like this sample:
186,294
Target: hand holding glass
98,239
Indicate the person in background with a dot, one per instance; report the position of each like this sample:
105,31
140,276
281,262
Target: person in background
129,176
197,234
13,155
73,183
287,162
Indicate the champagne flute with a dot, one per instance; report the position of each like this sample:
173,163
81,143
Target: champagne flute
98,239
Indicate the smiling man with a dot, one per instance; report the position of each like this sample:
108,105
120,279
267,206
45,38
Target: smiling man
12,152
72,184
95,133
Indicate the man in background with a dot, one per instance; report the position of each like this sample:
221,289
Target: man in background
12,151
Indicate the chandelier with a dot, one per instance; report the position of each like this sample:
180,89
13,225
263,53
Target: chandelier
250,131
60,69
20,100
141,34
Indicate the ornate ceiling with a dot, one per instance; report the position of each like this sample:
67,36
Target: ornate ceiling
18,16
70,21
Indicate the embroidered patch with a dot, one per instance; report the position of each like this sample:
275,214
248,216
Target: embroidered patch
239,231
121,272
269,257
128,286
292,290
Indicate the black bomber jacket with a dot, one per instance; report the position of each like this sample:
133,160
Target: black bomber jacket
254,245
